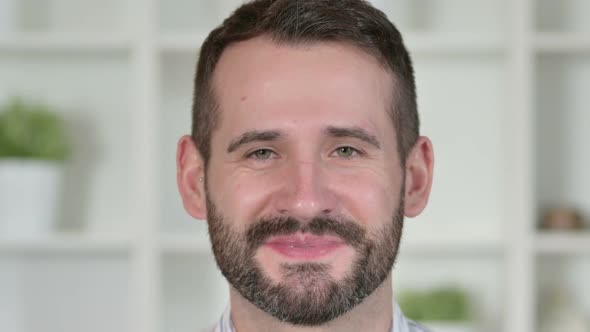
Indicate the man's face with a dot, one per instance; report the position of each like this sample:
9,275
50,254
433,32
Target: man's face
304,183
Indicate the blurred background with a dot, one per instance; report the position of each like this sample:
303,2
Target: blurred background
95,95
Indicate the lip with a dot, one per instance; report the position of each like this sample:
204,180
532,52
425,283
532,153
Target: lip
304,246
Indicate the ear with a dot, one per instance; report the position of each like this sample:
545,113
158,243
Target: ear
190,175
419,170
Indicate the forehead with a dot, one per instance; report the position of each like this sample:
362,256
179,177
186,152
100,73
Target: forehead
330,82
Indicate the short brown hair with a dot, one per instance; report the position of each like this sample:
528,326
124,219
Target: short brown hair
354,22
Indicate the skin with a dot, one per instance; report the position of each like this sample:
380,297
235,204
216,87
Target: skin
299,92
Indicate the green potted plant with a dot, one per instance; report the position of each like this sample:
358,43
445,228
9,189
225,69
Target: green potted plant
443,309
33,148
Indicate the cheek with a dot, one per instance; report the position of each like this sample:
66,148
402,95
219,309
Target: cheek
370,198
243,196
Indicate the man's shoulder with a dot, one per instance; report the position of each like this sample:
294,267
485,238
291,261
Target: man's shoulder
405,324
209,329
416,327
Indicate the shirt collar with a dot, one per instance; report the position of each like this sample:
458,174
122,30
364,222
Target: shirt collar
400,323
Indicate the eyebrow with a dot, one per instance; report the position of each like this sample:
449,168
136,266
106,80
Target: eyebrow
354,132
273,135
253,136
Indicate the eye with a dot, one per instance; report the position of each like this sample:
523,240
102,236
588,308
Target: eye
261,154
346,152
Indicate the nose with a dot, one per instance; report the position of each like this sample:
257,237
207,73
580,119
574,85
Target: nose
305,191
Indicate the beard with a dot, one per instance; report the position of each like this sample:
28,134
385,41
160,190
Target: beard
307,294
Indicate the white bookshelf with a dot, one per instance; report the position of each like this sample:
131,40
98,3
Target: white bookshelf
562,43
179,43
502,89
423,43
68,243
185,244
464,244
562,243
24,42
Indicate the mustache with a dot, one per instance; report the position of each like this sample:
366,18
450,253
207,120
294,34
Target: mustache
348,230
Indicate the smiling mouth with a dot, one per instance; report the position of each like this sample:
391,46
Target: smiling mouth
302,246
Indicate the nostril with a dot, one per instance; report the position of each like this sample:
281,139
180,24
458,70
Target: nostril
326,211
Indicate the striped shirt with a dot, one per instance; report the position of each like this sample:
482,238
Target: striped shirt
400,323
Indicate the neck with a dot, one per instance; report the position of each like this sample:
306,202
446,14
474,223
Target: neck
375,313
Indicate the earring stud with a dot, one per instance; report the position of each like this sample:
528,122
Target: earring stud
200,179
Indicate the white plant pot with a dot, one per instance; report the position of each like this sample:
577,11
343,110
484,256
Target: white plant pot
449,327
8,16
29,197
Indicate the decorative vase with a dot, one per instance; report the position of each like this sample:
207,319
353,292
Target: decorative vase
29,196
